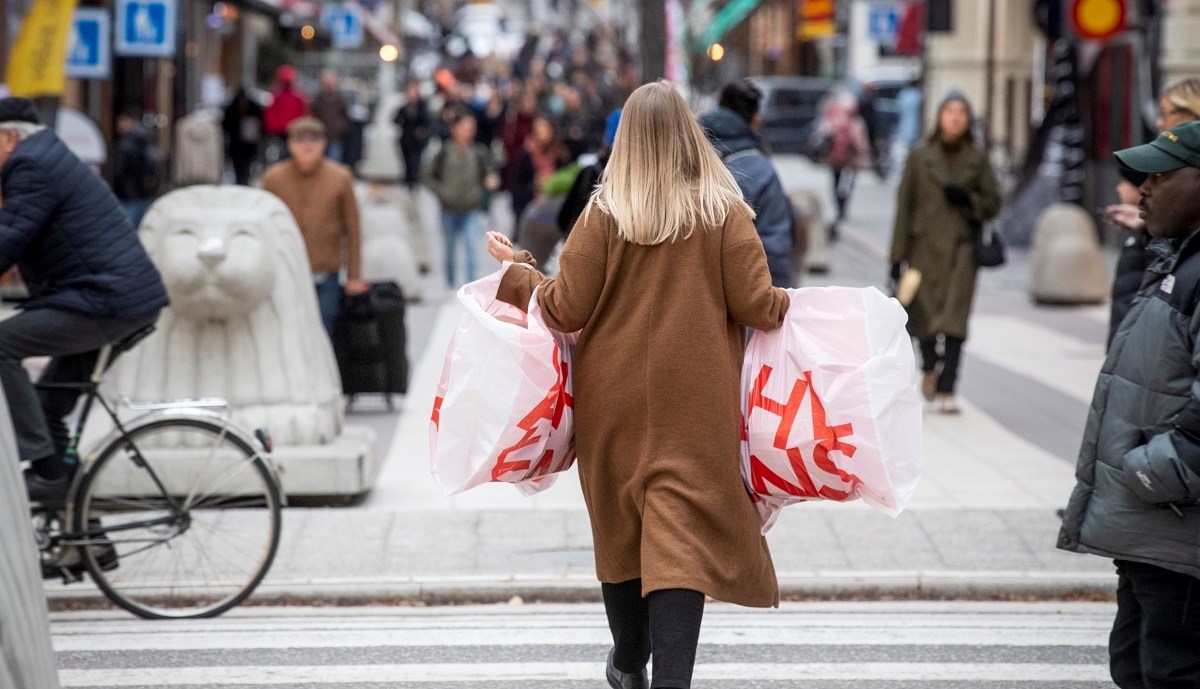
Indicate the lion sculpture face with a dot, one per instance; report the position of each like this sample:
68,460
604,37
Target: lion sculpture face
216,260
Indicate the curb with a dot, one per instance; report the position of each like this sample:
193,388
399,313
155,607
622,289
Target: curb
825,585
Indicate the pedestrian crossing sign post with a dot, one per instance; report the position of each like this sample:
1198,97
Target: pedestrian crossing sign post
345,26
145,28
883,23
89,46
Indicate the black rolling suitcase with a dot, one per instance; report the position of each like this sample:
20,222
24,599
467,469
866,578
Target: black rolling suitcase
369,340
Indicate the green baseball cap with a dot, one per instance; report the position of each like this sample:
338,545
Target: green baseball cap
1174,149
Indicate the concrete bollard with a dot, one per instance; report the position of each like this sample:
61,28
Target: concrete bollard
387,252
26,657
1068,266
819,255
381,159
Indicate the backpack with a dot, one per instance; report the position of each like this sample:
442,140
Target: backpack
483,160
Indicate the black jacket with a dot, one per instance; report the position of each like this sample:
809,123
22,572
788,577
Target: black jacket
1131,266
413,121
581,191
75,247
135,176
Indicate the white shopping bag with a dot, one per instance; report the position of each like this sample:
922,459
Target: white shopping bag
830,409
503,410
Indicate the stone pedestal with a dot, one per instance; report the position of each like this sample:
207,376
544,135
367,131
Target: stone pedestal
243,325
1068,266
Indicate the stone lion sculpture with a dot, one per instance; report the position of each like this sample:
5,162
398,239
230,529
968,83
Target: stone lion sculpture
243,325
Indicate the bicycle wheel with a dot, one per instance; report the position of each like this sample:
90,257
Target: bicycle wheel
188,519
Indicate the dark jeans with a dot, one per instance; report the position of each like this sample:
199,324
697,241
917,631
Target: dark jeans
949,358
329,299
411,154
460,228
241,167
843,187
74,340
1155,641
665,624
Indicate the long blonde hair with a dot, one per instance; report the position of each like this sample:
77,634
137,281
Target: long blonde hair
663,178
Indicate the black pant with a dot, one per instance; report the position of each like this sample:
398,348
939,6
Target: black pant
74,340
242,163
1155,641
843,186
950,359
411,153
665,624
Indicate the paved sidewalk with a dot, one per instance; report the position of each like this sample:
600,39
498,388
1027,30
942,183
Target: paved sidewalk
982,522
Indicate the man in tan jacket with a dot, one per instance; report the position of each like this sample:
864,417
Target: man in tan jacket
320,194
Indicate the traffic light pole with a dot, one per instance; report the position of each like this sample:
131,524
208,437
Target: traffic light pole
652,35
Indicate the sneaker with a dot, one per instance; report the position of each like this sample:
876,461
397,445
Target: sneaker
948,404
929,385
45,490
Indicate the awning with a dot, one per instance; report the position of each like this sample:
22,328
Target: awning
725,20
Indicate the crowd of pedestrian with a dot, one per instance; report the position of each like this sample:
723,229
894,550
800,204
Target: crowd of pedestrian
537,124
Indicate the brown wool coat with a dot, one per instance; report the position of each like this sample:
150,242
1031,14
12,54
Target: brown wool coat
657,417
937,238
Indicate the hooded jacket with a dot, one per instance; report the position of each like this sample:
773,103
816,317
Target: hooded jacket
1138,491
738,146
75,247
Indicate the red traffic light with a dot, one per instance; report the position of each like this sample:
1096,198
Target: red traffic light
1097,20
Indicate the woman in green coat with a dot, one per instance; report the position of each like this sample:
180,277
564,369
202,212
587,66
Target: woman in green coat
947,193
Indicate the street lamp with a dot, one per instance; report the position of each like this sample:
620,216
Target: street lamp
716,51
307,32
389,53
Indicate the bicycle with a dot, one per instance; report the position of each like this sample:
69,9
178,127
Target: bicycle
175,514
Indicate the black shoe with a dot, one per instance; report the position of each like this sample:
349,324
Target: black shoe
45,490
626,680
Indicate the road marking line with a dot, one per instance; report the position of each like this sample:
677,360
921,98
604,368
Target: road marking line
546,672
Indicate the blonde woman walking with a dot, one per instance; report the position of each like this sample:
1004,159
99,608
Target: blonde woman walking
661,276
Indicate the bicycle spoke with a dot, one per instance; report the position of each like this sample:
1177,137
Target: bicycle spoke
222,519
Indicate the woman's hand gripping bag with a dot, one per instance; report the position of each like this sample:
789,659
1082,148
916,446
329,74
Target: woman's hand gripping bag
503,410
830,409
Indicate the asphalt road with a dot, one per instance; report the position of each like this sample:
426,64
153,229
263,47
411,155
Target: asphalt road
814,645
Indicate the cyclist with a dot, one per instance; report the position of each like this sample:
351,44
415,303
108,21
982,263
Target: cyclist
89,278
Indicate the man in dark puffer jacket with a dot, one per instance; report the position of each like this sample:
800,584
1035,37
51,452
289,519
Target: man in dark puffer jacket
89,278
1138,496
730,128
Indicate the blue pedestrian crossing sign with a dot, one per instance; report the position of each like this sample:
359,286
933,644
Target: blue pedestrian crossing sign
89,47
883,22
345,26
145,28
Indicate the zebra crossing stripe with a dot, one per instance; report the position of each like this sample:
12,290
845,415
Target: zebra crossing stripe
552,672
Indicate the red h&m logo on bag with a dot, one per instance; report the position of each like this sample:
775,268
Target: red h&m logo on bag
827,440
551,409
